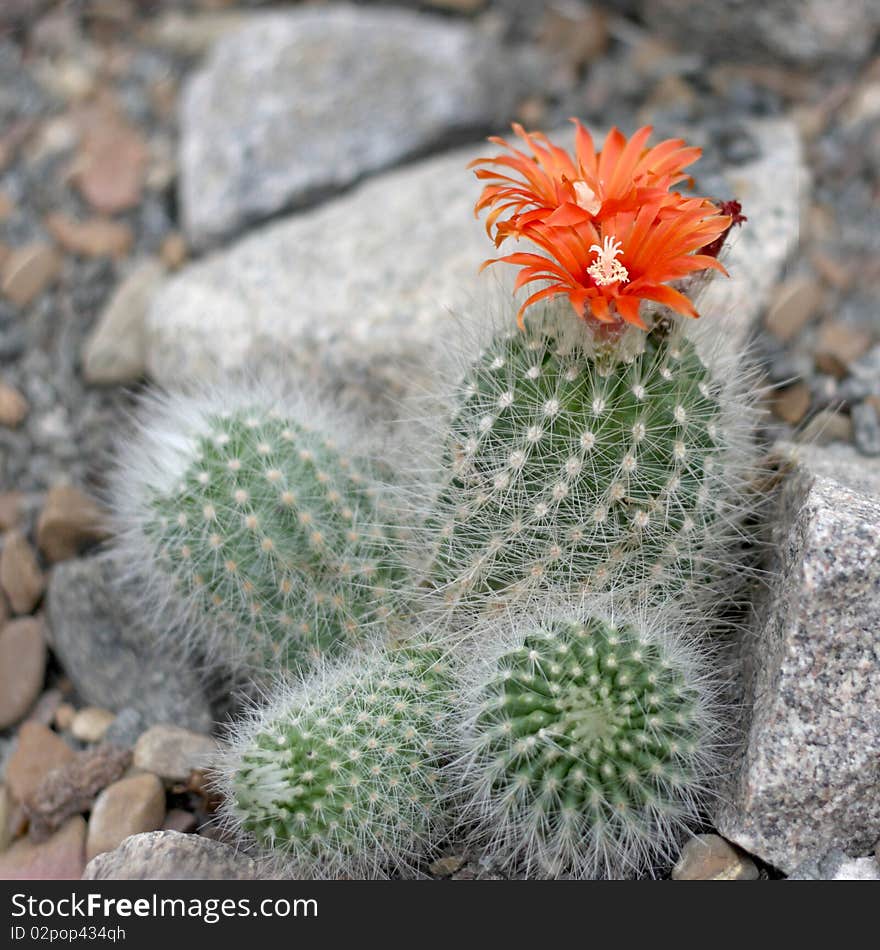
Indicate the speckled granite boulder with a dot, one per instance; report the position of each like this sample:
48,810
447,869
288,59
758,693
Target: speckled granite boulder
799,31
171,856
835,865
810,769
299,103
110,652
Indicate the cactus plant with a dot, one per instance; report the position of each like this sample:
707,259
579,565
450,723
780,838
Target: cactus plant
587,744
573,464
338,774
265,532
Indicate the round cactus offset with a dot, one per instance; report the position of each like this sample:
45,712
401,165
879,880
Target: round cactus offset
578,469
588,746
338,776
273,539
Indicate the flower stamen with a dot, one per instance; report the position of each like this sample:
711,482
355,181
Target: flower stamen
606,269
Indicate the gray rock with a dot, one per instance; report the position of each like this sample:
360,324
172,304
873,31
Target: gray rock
125,729
296,104
171,856
835,865
864,377
110,653
113,352
360,292
866,428
809,767
799,31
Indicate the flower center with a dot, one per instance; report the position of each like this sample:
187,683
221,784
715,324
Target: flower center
586,197
606,269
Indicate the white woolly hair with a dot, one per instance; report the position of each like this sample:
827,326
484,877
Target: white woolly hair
155,452
738,481
550,842
397,835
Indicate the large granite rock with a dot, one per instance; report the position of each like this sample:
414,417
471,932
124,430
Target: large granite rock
111,653
809,771
799,31
299,103
171,856
362,291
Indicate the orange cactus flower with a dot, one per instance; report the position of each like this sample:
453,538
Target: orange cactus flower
608,267
551,187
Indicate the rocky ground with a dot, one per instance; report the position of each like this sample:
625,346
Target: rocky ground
188,188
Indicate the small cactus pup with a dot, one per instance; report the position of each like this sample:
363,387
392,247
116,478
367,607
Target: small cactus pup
601,444
589,743
257,526
338,775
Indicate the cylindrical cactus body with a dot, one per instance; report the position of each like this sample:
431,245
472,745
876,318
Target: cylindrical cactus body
338,775
579,468
267,536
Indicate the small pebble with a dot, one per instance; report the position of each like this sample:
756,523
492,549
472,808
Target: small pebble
28,271
93,237
64,716
172,753
711,858
128,807
174,251
13,406
22,668
70,520
11,509
795,303
792,403
444,867
91,724
20,574
838,345
37,752
59,858
827,427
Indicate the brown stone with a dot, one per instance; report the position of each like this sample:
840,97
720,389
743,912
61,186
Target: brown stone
70,520
37,752
11,509
791,404
839,344
71,788
28,271
13,406
711,858
22,668
6,206
127,807
826,427
174,251
795,302
94,237
60,858
832,270
111,163
20,574
64,716
91,724
172,753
